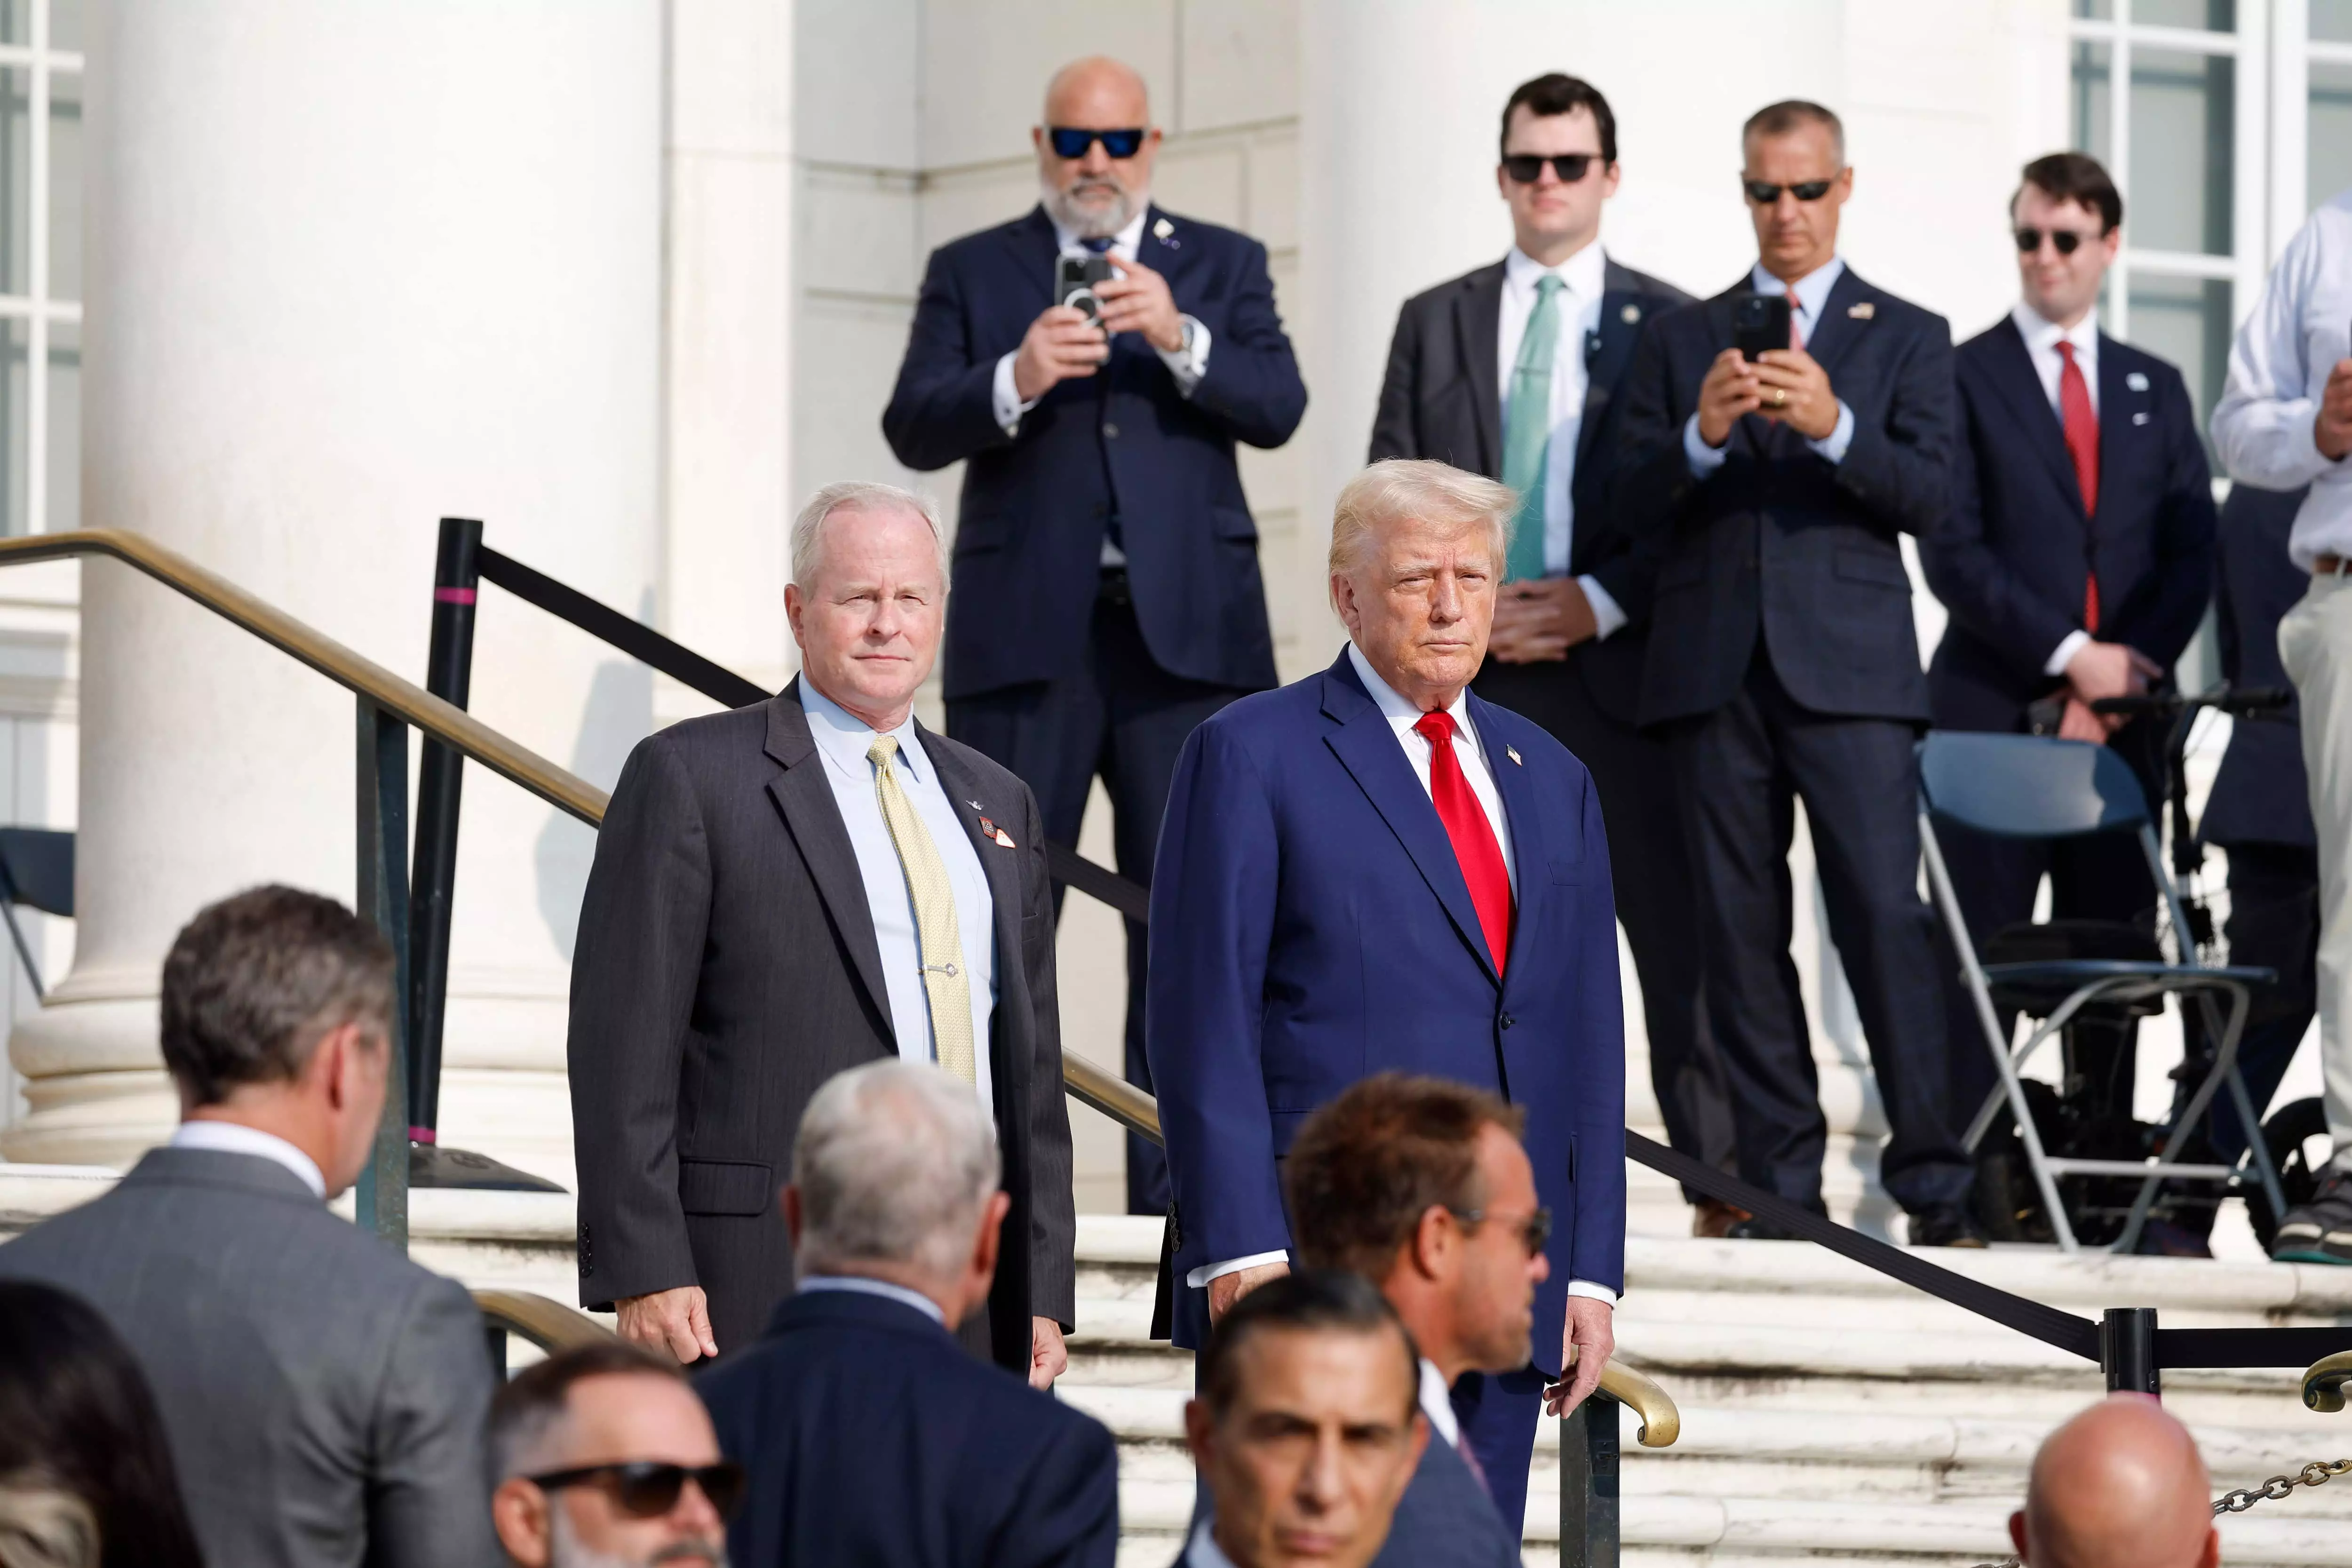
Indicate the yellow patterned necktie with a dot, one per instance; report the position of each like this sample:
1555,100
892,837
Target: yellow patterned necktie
946,985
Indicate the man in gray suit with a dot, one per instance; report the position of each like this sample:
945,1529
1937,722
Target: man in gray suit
325,1396
787,891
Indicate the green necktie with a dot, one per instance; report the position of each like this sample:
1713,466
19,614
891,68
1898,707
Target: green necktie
1527,436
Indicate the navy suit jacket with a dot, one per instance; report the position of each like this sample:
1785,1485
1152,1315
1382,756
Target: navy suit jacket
1310,926
1442,398
1445,1520
871,1437
2008,559
1781,542
1036,506
2262,795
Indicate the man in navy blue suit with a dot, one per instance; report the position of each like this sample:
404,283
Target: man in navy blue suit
1107,589
1784,661
2076,559
1374,870
865,1433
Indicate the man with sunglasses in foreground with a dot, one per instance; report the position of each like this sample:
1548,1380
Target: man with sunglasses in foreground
1514,371
1422,1186
1107,596
604,1458
2076,559
1784,662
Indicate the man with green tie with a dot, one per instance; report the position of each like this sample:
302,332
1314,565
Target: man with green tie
1512,371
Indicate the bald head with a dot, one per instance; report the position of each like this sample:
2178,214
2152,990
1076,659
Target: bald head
2120,1486
1091,191
1096,85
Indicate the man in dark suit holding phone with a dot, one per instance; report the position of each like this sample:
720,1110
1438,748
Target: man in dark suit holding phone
2076,559
1775,475
1557,317
1107,589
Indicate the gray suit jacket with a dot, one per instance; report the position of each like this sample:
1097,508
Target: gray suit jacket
727,967
1445,1520
325,1396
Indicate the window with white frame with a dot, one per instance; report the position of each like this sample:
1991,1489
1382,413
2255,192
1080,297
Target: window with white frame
40,265
2315,81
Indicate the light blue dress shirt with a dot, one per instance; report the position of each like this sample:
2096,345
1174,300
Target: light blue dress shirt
1806,301
842,739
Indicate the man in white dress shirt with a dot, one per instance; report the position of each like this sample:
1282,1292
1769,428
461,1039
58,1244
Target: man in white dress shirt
2285,421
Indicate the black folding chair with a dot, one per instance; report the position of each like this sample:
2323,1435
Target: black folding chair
36,870
2036,787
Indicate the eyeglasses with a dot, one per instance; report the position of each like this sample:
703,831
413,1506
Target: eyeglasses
648,1491
1763,193
1072,142
1527,168
1534,1230
2066,240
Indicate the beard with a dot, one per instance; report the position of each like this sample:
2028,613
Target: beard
1106,207
565,1551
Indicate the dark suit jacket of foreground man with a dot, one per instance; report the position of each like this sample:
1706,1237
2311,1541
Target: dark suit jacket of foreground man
325,1396
727,967
871,1438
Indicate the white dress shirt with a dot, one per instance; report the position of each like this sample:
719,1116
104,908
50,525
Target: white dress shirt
1577,312
842,739
235,1138
2278,371
1202,1550
1806,300
1402,716
2042,337
1188,364
859,1285
1437,1403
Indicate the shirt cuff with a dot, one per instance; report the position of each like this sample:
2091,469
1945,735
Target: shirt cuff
1008,407
1200,1276
1703,459
1587,1288
1189,363
2067,647
1832,446
1607,617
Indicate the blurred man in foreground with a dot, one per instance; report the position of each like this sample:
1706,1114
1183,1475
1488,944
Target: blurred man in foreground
605,1459
1106,562
1422,1188
2120,1486
1306,1428
323,1395
869,1436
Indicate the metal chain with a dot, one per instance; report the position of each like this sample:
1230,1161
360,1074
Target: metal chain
2244,1498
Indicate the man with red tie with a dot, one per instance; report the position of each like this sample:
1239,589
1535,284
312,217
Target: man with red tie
2076,561
1375,870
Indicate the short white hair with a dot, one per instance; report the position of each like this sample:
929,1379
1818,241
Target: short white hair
1398,489
857,495
893,1162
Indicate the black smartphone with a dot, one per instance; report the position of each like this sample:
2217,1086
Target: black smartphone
1759,321
1074,277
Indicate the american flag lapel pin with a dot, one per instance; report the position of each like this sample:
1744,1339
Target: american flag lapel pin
1513,753
1862,312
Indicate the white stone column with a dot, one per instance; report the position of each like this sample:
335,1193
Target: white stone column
350,269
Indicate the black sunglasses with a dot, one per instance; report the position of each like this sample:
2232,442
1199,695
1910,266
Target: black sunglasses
2028,240
1764,194
648,1491
1071,141
1534,1230
1527,168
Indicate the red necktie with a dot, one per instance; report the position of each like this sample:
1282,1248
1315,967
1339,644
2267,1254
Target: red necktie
2082,446
1474,836
1795,332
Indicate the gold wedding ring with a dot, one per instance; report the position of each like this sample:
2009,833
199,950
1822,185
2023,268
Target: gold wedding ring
1780,397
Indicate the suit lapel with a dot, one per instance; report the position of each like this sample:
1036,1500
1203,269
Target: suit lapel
1621,310
2121,442
1367,748
1528,852
1030,242
1837,330
1478,331
805,798
1002,869
2020,387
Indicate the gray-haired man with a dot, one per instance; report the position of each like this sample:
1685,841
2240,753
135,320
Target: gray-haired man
795,889
869,1436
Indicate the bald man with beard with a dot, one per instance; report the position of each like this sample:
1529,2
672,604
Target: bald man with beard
2119,1486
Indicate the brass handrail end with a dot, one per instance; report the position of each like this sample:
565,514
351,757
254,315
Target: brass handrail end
1661,1420
546,1323
2322,1385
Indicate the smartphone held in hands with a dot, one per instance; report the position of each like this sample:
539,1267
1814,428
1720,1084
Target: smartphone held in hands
1758,322
1074,277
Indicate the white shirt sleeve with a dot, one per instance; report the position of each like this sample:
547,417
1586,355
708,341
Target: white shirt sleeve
1587,1288
2263,425
2068,646
1607,615
1009,409
1189,363
1832,446
1703,459
1200,1277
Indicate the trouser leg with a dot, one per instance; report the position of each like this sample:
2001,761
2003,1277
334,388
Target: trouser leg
2316,644
2273,924
1498,1412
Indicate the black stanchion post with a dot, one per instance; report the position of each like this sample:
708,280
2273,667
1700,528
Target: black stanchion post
2128,1350
1587,1484
383,1197
448,675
